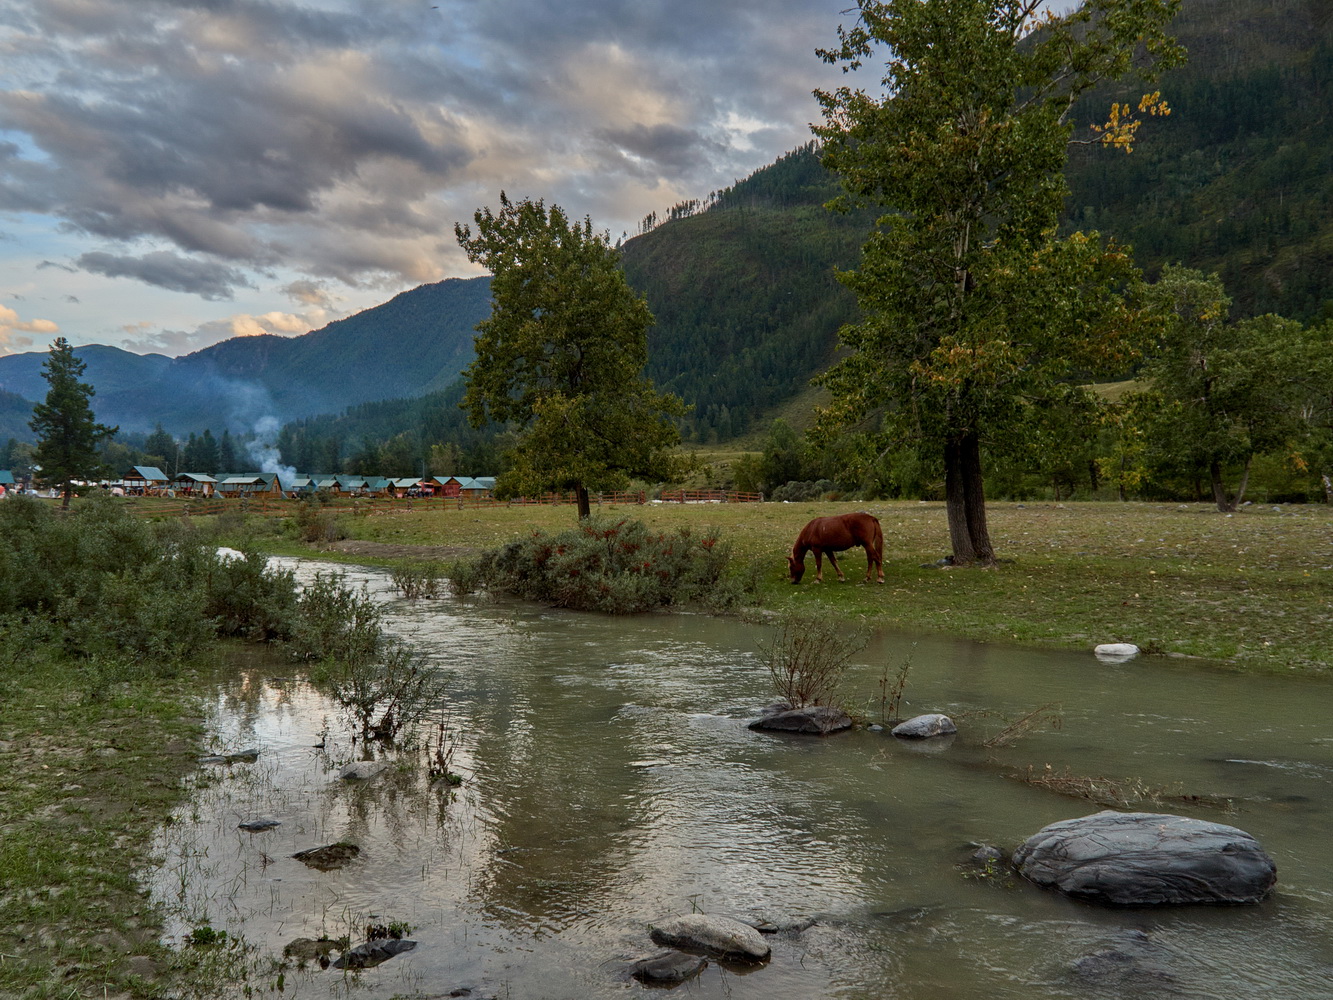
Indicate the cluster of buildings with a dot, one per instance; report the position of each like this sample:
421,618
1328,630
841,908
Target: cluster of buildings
144,480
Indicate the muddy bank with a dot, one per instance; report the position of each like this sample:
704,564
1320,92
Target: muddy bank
392,550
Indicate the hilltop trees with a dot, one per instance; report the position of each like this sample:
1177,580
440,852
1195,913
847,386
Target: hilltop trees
562,355
67,433
974,311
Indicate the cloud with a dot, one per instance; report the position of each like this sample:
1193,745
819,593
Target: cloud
171,271
144,338
208,142
12,329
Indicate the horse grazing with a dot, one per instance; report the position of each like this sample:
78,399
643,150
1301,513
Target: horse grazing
837,534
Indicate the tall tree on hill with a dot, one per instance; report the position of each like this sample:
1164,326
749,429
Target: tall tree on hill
973,310
228,460
562,355
67,434
162,448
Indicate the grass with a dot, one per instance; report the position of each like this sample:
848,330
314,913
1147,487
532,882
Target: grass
88,771
1254,588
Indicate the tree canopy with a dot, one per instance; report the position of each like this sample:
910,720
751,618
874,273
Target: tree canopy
562,356
67,434
974,310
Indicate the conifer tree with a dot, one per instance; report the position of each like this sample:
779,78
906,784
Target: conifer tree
68,435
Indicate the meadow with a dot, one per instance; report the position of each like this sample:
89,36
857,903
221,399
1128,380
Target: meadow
1254,588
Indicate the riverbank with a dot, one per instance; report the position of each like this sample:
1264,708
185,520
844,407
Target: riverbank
1254,588
90,766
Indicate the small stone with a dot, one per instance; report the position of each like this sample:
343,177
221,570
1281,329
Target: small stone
362,769
259,825
328,857
372,953
924,726
1116,651
668,967
141,966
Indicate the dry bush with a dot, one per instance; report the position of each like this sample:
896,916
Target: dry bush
807,657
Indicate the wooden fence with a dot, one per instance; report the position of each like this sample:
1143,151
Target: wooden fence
710,496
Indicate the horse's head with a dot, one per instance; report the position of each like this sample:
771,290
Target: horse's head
795,568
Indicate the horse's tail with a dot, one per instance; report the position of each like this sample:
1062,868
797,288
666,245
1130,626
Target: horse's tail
877,536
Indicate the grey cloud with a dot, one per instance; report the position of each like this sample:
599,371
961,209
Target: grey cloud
341,140
60,267
167,270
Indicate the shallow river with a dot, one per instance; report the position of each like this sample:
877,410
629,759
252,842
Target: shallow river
611,782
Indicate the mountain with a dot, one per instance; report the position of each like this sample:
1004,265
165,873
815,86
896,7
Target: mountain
744,292
1239,179
419,341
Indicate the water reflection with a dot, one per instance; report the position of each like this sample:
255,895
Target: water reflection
611,781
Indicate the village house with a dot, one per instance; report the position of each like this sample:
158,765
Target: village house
194,484
144,479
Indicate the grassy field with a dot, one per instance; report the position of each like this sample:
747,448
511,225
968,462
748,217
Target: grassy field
90,766
1254,588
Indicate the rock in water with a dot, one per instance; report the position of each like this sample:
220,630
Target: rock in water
924,726
1116,651
668,967
817,720
362,769
719,936
372,953
1147,859
328,857
259,825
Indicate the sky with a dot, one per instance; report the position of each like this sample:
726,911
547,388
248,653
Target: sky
177,172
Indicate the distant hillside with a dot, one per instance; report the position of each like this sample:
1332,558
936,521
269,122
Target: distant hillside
1239,179
744,293
416,342
15,412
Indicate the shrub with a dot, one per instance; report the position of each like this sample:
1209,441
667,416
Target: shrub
335,623
387,693
616,566
414,580
249,600
808,656
797,490
316,523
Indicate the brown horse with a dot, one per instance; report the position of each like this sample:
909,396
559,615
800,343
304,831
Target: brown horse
837,534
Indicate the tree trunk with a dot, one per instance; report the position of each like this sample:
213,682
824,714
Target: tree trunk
1219,488
581,495
1244,482
67,493
965,501
1328,489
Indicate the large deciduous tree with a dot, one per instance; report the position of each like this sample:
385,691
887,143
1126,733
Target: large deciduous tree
974,311
562,355
67,434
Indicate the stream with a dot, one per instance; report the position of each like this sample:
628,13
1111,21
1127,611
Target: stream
610,782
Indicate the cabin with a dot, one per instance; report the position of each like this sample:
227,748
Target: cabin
447,486
379,486
478,487
194,484
349,485
242,486
408,486
144,479
7,481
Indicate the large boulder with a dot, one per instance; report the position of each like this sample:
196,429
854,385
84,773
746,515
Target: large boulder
924,726
721,937
1147,859
817,720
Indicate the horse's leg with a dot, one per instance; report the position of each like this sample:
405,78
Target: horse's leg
819,565
833,561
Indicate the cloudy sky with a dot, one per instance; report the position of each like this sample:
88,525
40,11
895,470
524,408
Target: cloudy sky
174,172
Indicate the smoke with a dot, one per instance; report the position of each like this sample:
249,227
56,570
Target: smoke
264,450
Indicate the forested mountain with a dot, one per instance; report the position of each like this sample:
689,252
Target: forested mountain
416,342
744,293
1239,179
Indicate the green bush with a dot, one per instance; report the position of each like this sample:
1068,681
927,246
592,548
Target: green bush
616,566
414,580
334,623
